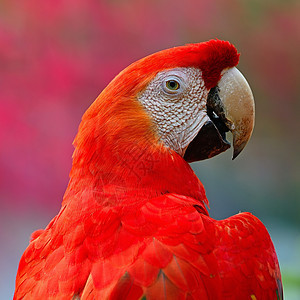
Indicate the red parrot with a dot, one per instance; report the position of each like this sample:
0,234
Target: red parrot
133,222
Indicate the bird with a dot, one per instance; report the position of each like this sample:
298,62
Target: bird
134,222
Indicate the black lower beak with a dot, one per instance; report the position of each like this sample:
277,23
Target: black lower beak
207,143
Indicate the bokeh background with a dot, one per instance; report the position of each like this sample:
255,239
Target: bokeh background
56,57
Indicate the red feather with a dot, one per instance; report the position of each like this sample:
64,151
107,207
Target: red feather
133,224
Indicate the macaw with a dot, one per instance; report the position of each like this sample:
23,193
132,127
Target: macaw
133,222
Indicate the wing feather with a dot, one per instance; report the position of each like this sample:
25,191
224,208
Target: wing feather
166,248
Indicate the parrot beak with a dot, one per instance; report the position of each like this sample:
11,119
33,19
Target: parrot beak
230,107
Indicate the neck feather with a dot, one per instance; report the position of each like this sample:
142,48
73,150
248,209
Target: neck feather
119,158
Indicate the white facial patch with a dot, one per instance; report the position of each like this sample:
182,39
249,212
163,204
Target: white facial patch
176,101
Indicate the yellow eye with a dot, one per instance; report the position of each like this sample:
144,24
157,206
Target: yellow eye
172,85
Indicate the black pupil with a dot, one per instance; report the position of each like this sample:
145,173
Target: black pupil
172,84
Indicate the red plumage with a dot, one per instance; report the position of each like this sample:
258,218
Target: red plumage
133,224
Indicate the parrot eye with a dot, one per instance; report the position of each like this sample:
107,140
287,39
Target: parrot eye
172,85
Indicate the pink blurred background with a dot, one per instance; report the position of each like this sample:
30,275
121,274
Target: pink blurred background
55,58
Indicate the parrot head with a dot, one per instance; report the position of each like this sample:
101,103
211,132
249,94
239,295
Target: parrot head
161,113
195,103
184,98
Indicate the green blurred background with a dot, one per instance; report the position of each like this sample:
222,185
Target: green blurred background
55,58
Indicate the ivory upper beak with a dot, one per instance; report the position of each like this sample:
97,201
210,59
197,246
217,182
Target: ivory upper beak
238,101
